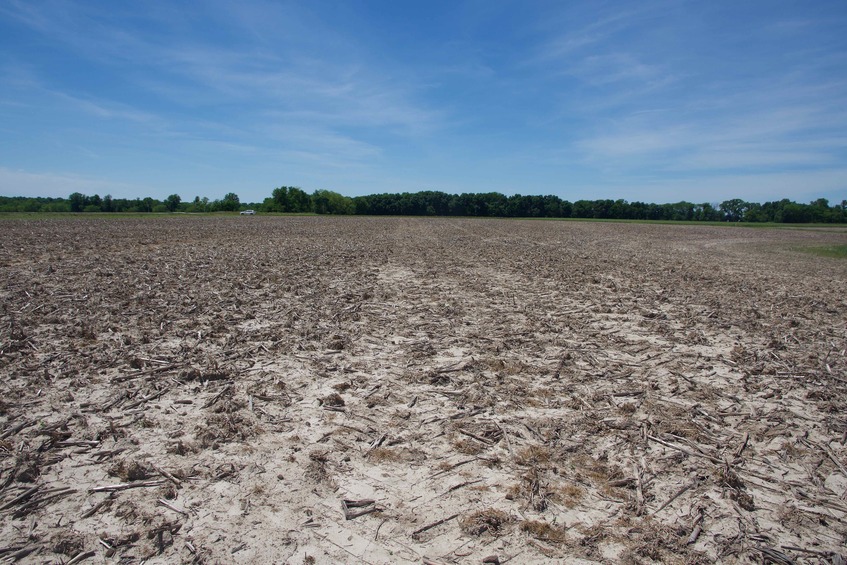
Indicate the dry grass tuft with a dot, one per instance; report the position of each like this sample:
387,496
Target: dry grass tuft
651,542
544,531
491,521
67,543
224,428
316,470
468,446
333,399
628,408
569,495
728,478
386,455
534,456
532,489
182,448
130,470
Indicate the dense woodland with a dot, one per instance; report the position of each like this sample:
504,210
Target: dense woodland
287,199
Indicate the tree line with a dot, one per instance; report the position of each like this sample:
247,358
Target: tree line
78,202
551,206
289,199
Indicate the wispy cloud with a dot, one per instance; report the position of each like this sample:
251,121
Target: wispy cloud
601,95
787,136
608,69
107,109
636,108
802,186
588,26
247,79
18,182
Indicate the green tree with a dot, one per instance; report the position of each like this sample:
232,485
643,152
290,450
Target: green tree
794,213
733,210
299,200
289,199
31,205
328,202
279,200
172,202
820,211
196,205
78,201
755,212
230,203
583,209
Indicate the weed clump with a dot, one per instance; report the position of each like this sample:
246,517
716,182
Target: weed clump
130,471
224,428
491,521
333,399
316,470
385,455
544,531
534,456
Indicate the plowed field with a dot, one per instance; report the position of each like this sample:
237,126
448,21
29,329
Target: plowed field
380,390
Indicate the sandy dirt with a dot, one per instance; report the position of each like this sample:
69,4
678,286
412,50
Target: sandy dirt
379,390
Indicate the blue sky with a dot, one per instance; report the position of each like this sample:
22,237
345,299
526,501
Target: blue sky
657,101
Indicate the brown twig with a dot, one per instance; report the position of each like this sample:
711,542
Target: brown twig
434,524
674,497
125,486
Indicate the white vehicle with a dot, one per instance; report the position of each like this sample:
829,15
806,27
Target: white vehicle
248,212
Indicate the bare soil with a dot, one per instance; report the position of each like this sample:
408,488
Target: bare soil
380,390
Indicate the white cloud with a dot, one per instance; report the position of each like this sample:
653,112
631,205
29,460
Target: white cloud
15,182
633,142
107,109
278,61
800,186
589,30
606,94
777,137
